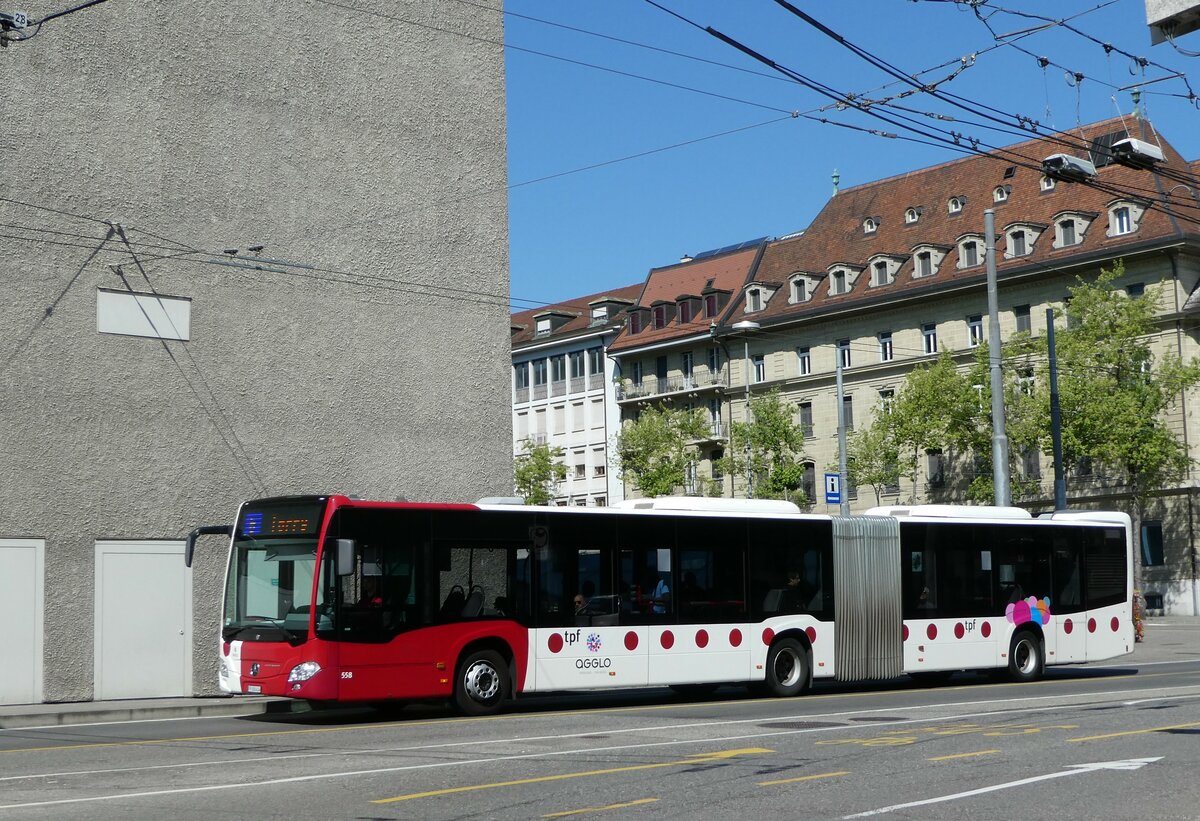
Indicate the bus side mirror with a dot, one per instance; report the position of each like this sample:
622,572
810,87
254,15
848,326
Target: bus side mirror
345,557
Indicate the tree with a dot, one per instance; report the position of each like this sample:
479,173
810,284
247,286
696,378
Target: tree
872,457
654,452
537,472
927,412
770,448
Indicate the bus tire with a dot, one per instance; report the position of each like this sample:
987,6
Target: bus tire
787,668
482,684
1026,657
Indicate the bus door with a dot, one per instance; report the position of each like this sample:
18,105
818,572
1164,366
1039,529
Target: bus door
583,638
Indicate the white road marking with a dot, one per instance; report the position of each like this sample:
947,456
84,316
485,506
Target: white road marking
1072,769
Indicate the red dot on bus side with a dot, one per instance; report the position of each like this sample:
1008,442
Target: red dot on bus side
931,631
904,633
1115,624
631,640
701,638
735,638
667,639
225,649
959,631
1091,625
986,629
555,642
811,632
768,636
1068,626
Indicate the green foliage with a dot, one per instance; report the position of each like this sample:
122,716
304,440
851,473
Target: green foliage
873,457
771,447
537,471
653,452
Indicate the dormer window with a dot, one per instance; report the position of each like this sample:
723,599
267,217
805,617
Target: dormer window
635,323
1021,238
685,311
879,273
837,281
883,270
660,316
969,248
543,326
911,216
753,300
923,264
1069,228
799,290
1124,217
1000,194
955,205
870,225
599,315
1016,244
1047,183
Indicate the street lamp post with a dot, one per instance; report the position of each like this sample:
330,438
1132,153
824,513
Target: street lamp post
745,327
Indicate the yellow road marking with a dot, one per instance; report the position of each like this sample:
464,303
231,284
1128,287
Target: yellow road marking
601,809
802,778
962,755
701,758
1136,732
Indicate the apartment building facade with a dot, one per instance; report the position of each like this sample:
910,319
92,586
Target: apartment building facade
563,393
891,274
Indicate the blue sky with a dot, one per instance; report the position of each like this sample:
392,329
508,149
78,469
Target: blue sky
602,228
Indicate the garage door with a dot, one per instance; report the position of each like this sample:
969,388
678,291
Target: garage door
143,620
21,597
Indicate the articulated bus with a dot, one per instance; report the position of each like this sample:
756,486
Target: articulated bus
338,600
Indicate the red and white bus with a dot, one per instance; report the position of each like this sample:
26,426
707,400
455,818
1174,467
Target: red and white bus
335,599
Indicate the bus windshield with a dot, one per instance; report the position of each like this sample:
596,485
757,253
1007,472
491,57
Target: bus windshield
269,592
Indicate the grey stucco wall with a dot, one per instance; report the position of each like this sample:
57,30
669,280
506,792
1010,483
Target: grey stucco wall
371,146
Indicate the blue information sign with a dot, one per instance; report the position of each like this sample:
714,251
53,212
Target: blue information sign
833,489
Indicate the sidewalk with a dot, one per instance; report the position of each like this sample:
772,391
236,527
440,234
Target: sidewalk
1167,638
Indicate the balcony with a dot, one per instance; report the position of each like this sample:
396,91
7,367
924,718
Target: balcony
701,379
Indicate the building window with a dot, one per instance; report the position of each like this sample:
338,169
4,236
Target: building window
837,282
808,481
753,300
600,470
599,315
924,265
1047,183
970,253
760,367
685,364
635,323
929,335
1152,544
879,273
539,372
885,346
975,330
806,419
577,364
799,289
600,501
685,311
804,357
848,412
710,306
935,468
843,352
660,368
954,206
1021,312
660,316
581,471
1066,230
911,216
521,375
636,373
1135,290
543,327
1016,243
870,225
1122,222
886,397
715,461
1031,463
714,360
558,368
1000,194
596,360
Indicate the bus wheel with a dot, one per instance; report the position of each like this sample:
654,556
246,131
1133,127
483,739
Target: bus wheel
1025,659
787,668
482,683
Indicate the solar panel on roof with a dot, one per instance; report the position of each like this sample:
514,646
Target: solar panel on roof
750,243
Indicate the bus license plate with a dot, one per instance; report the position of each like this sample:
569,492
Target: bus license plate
254,688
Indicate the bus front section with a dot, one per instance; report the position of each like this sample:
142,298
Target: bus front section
273,606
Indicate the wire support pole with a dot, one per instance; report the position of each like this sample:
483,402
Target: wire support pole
1003,493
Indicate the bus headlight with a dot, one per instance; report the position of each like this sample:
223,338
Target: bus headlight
304,671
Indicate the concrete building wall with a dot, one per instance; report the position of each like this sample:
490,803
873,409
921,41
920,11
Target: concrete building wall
370,146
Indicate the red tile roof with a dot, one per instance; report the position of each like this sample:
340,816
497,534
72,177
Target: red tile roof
837,236
579,308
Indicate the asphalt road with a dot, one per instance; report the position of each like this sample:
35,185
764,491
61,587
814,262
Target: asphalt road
1111,741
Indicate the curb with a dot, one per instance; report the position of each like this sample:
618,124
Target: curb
88,712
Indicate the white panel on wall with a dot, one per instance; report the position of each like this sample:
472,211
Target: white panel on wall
152,315
21,611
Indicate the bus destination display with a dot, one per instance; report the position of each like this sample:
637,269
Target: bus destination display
281,521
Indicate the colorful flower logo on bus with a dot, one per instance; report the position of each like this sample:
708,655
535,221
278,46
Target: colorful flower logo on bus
1031,609
593,642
